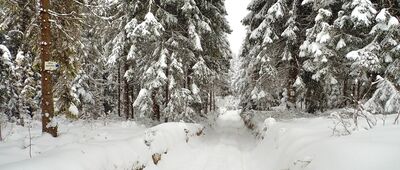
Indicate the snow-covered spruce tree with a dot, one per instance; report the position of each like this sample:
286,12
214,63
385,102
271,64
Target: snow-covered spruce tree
354,23
181,52
94,86
380,55
387,37
18,34
256,66
17,23
127,16
340,29
276,29
182,40
214,28
7,94
386,99
322,66
149,54
27,84
67,47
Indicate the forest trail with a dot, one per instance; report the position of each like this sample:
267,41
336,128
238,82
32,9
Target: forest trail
226,145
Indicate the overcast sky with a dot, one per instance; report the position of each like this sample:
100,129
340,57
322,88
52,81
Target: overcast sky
236,12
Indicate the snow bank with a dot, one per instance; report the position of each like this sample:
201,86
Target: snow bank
308,144
92,146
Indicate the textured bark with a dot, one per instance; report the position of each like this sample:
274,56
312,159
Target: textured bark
188,77
156,107
126,94
119,89
358,91
167,84
293,72
131,99
205,106
211,101
345,91
47,84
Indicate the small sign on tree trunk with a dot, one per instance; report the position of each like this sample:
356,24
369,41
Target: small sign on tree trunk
51,66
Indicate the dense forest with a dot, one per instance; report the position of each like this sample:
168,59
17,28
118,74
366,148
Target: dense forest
161,60
167,60
315,55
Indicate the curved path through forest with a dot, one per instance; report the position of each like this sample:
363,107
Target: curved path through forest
225,146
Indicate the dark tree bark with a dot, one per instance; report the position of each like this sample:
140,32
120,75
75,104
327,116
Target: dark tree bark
156,107
358,91
119,89
345,89
131,100
167,84
211,99
291,93
213,102
126,93
47,84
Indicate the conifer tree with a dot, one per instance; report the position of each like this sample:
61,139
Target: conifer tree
6,73
67,29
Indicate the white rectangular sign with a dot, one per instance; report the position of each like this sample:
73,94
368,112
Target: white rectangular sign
51,66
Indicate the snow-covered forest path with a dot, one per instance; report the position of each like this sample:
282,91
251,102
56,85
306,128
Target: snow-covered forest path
224,146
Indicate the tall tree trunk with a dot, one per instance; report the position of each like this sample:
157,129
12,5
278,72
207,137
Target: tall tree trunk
156,107
210,101
47,84
132,97
293,71
119,88
126,93
213,102
188,78
359,91
167,84
345,89
205,106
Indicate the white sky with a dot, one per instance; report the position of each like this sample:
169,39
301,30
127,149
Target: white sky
236,12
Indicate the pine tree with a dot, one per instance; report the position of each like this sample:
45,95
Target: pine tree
97,79
6,73
213,28
275,36
67,29
322,66
258,65
178,50
119,55
386,99
28,86
147,36
387,35
18,34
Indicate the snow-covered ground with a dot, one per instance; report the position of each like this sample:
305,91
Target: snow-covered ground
309,144
93,146
224,144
